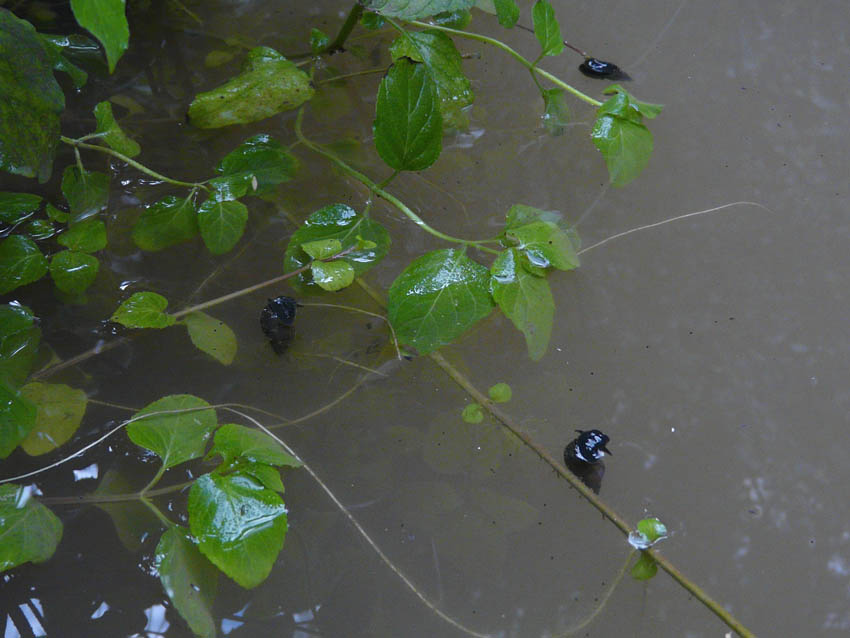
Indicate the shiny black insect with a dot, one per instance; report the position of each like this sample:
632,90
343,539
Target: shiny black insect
599,70
583,457
276,320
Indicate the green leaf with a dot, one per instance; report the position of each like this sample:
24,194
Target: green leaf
625,145
212,336
222,224
134,522
60,410
56,44
343,223
111,132
457,19
653,529
87,236
647,109
408,125
437,298
319,41
525,299
332,275
73,272
322,248
507,12
645,567
17,418
87,192
267,85
19,339
177,437
29,532
39,229
143,310
473,413
556,113
240,525
500,393
32,100
57,215
189,579
372,21
266,474
415,9
234,442
442,60
21,263
522,215
106,20
254,167
545,244
170,221
546,28
16,207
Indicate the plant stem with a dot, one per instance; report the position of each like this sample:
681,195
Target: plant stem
346,29
77,144
380,192
153,481
519,58
112,498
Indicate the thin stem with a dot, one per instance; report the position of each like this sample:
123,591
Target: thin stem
112,498
153,481
344,76
346,29
77,144
566,44
380,192
519,58
153,508
360,310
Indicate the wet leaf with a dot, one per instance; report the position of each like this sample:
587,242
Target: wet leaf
322,248
507,12
234,441
457,19
111,132
189,580
525,299
415,9
212,336
17,419
73,272
618,133
56,45
87,236
21,263
254,167
19,339
500,392
57,215
32,100
16,207
556,113
87,192
39,229
29,532
545,244
408,125
546,28
343,223
170,221
134,522
372,21
222,224
522,215
332,275
106,20
473,413
647,109
319,41
143,310
438,53
240,525
266,474
645,567
437,298
177,437
649,531
267,85
60,410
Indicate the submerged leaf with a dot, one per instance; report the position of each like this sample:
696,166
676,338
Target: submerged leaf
60,410
87,236
222,224
556,113
170,221
21,263
267,85
473,413
111,133
178,435
29,532
415,9
17,418
19,339
87,192
408,127
72,271
645,567
212,336
16,207
500,392
437,298
133,521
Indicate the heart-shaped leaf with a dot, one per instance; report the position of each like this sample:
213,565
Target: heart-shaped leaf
143,310
29,532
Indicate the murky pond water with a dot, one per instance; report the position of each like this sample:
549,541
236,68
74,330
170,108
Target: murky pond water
713,350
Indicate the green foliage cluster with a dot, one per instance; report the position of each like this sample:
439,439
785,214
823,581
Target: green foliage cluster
432,302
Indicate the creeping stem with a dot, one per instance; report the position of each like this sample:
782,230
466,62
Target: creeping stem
531,66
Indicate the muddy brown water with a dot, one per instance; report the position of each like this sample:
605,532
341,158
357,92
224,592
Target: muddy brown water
712,350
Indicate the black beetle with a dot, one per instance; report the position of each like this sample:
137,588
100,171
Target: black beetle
276,321
599,70
583,457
